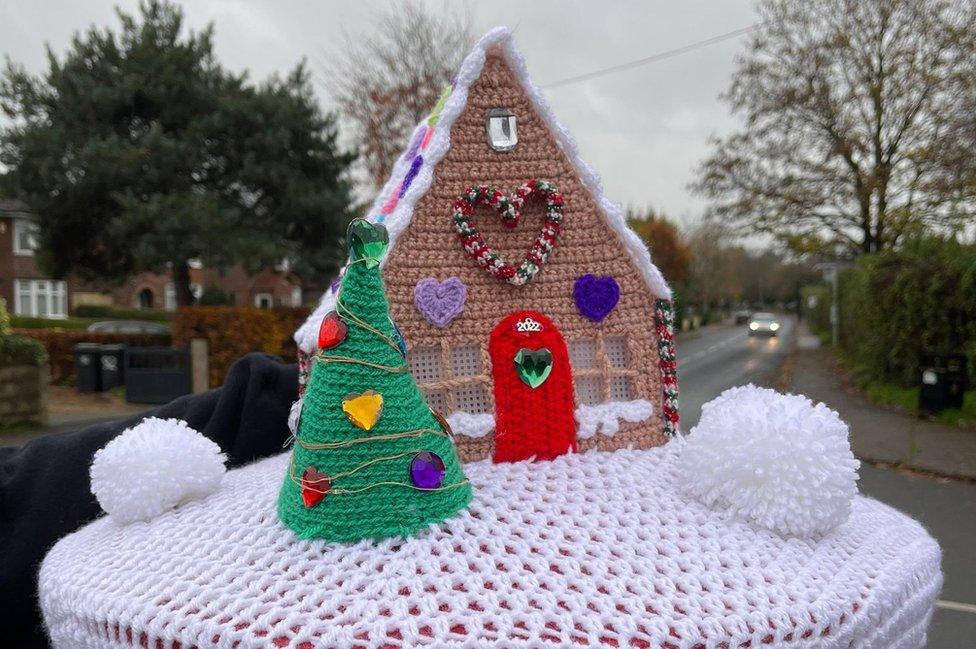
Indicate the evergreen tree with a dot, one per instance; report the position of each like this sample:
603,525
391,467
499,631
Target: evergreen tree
138,151
371,459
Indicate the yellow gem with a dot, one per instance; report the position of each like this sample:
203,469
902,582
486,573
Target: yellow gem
364,409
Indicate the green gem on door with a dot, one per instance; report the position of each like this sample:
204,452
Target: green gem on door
533,366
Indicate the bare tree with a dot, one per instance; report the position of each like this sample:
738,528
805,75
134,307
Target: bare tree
384,84
844,104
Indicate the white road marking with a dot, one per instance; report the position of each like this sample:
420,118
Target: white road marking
956,606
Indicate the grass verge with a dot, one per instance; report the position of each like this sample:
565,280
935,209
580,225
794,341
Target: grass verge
907,399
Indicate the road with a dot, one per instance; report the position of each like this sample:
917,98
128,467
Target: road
719,357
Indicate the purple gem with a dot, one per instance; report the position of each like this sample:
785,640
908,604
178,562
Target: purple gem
427,470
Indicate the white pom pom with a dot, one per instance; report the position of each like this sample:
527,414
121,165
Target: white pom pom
773,459
152,467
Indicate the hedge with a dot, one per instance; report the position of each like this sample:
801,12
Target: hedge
17,350
897,305
100,312
59,346
232,332
27,322
21,350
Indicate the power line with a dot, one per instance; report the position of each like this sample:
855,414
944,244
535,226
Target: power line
653,58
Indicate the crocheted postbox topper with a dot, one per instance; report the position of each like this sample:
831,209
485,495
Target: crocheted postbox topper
536,320
491,212
371,459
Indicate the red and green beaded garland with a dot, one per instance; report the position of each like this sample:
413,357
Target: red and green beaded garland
510,210
664,328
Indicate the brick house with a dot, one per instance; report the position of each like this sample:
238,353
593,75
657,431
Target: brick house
26,290
29,292
267,288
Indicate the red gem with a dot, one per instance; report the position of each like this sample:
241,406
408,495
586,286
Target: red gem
315,485
332,331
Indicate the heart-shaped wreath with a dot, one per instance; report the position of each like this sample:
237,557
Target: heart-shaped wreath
510,210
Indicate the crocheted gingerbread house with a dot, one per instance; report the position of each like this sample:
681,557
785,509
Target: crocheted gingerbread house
501,242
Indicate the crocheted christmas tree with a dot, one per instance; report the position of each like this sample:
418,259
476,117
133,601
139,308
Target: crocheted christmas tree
371,458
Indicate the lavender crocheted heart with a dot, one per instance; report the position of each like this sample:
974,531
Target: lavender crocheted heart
596,296
440,302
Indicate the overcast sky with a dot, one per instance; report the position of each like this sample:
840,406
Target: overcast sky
644,129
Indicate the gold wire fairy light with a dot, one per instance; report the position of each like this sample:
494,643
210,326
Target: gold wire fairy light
399,369
376,438
321,356
343,310
311,486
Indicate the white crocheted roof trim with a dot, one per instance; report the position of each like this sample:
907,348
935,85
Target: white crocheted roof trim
603,418
593,549
398,220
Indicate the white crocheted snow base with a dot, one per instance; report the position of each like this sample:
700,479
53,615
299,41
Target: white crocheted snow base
588,550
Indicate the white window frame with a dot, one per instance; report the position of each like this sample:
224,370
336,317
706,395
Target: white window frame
169,294
53,293
169,297
259,297
22,227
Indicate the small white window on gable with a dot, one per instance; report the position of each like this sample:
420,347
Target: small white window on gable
501,129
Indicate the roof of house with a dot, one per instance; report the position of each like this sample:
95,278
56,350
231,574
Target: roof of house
13,205
413,172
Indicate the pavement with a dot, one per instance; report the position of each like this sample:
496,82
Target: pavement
880,434
69,410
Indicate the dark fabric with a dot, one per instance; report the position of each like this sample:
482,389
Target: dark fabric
45,492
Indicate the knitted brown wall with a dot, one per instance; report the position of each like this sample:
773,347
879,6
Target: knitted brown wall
430,247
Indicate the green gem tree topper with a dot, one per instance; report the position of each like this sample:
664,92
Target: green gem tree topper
371,459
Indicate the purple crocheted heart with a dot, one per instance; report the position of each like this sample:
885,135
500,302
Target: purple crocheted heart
596,296
440,302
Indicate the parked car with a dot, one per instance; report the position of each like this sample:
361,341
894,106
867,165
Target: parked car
742,316
128,327
763,324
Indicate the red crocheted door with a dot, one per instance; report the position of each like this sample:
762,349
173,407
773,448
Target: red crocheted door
533,389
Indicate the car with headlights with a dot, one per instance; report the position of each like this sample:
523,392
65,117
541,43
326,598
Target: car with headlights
763,324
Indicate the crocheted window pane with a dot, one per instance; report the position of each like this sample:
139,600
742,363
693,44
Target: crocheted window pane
436,399
589,390
617,353
472,398
425,364
620,389
582,354
466,361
